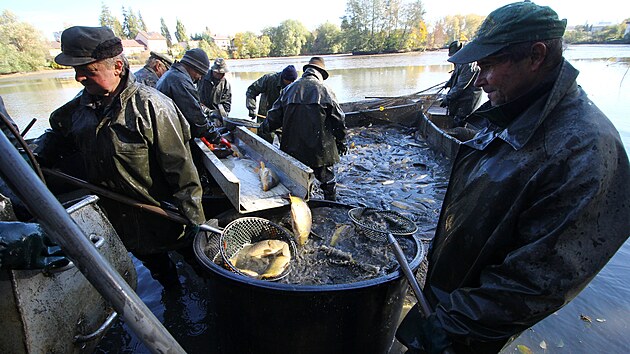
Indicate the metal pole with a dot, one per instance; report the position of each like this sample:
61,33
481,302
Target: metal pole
63,230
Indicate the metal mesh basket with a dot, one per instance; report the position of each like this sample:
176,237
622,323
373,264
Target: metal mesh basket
251,230
376,224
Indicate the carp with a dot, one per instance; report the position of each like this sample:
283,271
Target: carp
301,219
262,260
268,178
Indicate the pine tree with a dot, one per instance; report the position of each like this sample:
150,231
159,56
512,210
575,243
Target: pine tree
166,33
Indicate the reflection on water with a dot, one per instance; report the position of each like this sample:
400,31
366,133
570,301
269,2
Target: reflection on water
603,74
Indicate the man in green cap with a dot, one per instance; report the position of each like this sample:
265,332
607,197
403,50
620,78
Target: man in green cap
537,202
129,139
157,64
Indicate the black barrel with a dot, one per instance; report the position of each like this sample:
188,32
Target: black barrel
256,316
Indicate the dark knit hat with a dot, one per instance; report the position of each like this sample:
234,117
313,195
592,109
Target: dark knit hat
165,59
317,63
514,23
454,47
82,45
289,73
197,59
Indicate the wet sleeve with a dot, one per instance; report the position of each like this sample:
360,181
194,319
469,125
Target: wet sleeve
577,218
226,97
55,143
173,155
255,89
466,74
187,100
338,119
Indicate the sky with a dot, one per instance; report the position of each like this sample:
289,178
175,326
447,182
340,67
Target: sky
226,17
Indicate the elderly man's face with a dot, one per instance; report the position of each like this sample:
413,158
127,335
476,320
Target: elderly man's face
100,78
504,80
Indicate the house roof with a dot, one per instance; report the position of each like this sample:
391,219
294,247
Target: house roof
151,35
129,43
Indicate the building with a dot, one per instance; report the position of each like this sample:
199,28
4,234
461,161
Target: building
153,41
131,47
223,42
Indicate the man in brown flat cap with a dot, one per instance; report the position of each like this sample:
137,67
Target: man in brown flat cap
130,139
313,124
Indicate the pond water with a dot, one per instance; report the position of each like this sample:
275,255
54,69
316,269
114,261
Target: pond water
603,74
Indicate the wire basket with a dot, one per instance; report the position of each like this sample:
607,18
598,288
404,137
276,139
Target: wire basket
252,230
376,224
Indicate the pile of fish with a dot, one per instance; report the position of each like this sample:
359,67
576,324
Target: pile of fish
262,260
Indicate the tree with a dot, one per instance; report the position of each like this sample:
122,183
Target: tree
141,24
108,20
180,32
131,24
288,38
248,45
165,32
22,47
327,39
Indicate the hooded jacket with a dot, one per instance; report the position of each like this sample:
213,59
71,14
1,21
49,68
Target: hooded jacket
138,147
311,120
536,205
177,84
268,87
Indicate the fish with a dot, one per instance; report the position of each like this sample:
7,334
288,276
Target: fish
262,260
268,178
301,219
341,229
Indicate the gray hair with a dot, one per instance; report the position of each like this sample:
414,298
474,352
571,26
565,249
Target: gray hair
112,62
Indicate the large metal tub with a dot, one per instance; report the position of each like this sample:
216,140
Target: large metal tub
61,312
255,316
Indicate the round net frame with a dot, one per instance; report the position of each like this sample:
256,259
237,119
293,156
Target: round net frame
251,230
376,224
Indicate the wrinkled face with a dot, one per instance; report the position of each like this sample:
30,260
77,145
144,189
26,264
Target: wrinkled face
99,78
503,79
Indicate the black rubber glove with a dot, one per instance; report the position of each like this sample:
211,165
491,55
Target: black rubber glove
212,134
252,114
444,102
190,231
26,246
342,149
418,333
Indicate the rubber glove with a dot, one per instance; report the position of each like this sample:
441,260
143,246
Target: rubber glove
418,333
341,147
190,231
26,246
252,114
444,102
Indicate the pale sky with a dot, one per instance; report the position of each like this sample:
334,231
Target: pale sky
227,17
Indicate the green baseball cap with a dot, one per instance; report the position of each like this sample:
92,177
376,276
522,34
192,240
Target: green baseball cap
514,23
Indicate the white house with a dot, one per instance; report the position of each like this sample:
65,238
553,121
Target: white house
223,42
131,47
153,41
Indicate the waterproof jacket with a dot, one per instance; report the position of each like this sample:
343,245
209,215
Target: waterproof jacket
463,96
177,84
311,120
217,96
532,212
138,147
146,76
268,87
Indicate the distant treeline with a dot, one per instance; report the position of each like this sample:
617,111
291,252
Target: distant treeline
368,26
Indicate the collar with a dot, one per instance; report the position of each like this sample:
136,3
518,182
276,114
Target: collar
516,122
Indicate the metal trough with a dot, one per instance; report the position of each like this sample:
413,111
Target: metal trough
239,180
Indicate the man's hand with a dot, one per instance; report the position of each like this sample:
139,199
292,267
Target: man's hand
421,334
342,149
26,246
252,114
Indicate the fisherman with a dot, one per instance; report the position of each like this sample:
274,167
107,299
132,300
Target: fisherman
215,91
131,140
157,64
178,83
313,124
537,202
268,87
463,96
23,245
